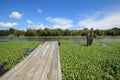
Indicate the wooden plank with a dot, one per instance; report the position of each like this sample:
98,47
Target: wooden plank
46,73
53,70
41,68
33,70
8,74
42,64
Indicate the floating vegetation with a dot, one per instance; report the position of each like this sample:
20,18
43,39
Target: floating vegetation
12,52
96,62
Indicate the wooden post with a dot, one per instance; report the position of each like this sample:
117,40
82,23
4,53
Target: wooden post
59,43
90,38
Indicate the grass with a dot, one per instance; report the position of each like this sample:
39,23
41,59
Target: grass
12,52
101,61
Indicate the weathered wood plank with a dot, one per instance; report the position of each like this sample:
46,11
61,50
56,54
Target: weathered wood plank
42,64
8,74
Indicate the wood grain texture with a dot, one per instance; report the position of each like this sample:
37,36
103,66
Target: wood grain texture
42,64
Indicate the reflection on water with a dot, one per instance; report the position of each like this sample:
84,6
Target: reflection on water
61,39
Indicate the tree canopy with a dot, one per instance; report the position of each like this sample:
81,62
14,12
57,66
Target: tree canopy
59,32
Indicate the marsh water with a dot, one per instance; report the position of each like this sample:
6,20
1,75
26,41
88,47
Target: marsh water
62,39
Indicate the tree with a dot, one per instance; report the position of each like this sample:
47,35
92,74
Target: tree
12,31
57,32
99,32
47,32
85,31
4,33
31,32
66,32
19,32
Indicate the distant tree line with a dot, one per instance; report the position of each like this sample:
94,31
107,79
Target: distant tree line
59,32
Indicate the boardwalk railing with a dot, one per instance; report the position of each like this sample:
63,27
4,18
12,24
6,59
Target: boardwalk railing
42,64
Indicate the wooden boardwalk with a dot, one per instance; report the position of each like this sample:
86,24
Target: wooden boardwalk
42,64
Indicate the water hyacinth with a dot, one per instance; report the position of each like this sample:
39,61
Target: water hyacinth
96,62
12,52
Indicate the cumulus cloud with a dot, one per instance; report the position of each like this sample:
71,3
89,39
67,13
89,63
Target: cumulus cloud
41,26
31,24
8,25
101,21
15,15
60,22
39,10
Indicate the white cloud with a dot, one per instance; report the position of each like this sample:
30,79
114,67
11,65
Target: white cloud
60,22
101,21
41,26
33,25
8,25
39,10
15,15
29,22
48,18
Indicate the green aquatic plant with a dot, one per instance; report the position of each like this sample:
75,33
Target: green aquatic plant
12,52
96,62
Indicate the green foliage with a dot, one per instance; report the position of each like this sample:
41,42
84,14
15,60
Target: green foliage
4,33
19,33
30,32
94,35
101,61
12,52
99,32
58,32
12,31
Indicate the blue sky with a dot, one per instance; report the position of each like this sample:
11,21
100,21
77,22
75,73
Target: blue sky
64,14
